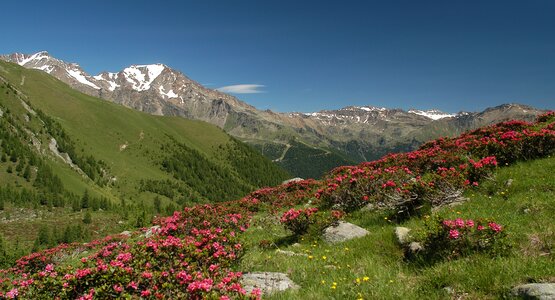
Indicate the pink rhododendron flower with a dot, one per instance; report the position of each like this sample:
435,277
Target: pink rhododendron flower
495,227
124,257
454,234
257,293
49,268
448,223
459,223
82,273
133,285
12,294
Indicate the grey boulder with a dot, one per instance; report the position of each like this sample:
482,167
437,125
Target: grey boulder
343,231
267,282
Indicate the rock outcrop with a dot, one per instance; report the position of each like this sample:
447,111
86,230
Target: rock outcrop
267,282
540,291
343,231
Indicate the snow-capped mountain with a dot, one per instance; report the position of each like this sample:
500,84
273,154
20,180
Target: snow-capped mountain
158,89
355,132
153,88
371,114
67,72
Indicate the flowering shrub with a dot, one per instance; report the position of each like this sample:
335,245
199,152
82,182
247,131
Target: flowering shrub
298,220
451,239
286,195
438,172
188,256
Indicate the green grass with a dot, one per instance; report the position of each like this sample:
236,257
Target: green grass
526,209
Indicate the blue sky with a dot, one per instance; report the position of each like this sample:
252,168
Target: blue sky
312,55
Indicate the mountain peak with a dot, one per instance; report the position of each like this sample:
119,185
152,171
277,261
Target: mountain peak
157,65
24,59
142,76
43,53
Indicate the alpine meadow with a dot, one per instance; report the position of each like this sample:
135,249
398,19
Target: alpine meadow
277,150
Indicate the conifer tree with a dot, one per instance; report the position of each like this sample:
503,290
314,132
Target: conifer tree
27,173
13,156
85,200
44,235
2,249
75,204
88,218
157,204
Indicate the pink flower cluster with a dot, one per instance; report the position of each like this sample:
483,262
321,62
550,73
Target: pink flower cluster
456,228
298,220
293,214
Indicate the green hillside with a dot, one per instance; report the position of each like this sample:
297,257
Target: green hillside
299,158
132,165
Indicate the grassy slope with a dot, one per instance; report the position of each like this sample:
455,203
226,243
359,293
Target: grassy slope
101,127
526,208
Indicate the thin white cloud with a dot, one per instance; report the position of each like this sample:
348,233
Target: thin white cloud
242,89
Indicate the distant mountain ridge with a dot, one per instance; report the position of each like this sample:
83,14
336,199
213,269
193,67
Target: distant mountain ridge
306,144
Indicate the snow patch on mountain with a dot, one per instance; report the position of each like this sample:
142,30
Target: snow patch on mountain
433,114
142,76
46,68
22,60
370,108
109,78
170,94
79,76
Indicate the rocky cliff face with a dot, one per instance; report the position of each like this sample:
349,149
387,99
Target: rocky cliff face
350,134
